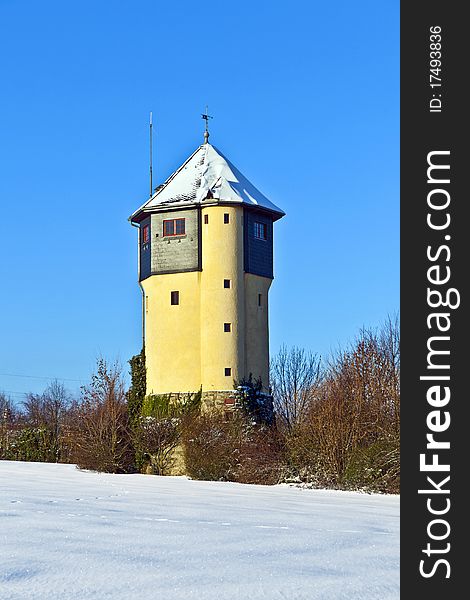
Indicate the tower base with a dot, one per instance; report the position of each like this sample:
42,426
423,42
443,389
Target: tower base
219,400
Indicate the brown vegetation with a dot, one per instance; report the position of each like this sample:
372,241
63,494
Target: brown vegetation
102,429
231,447
335,425
349,435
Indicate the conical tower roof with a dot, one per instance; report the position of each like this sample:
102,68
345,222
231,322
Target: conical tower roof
207,177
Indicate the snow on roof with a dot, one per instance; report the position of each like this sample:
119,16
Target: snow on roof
207,174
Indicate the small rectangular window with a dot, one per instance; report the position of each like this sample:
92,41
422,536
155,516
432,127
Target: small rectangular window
228,371
145,234
173,227
146,304
226,283
259,299
226,218
227,327
175,298
206,219
261,231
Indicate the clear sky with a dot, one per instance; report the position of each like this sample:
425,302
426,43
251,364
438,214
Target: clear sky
305,99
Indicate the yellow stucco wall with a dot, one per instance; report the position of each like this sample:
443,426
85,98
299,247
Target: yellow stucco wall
186,345
222,258
257,327
172,333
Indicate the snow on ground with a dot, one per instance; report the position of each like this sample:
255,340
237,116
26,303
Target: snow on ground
67,534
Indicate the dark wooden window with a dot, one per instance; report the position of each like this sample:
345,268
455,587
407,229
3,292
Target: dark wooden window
261,231
228,371
226,283
227,327
174,227
175,298
145,234
206,219
226,218
260,297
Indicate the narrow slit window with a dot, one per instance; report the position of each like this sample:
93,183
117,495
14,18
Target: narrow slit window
261,231
146,304
228,371
260,299
226,283
206,219
227,327
226,218
174,227
175,298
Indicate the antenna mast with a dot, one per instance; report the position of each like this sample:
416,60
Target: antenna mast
151,144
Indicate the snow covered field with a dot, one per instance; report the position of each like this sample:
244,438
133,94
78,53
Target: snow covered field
67,534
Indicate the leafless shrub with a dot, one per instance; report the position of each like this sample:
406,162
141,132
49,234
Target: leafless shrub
157,430
35,433
348,435
156,440
235,448
210,446
102,437
260,456
295,375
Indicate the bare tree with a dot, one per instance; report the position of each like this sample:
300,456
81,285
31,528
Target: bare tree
295,376
6,407
389,344
351,430
7,420
57,401
103,437
33,412
45,414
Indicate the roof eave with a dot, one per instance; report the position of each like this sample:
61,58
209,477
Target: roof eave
144,210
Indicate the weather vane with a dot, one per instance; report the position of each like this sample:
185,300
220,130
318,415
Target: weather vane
206,116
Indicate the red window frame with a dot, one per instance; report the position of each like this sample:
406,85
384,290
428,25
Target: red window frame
177,227
261,231
145,234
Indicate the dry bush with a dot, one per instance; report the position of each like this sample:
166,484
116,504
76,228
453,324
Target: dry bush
210,446
231,448
156,438
35,432
260,456
157,431
348,435
102,440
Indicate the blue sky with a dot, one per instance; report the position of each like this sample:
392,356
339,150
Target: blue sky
305,99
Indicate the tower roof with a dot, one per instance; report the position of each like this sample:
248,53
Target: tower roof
207,177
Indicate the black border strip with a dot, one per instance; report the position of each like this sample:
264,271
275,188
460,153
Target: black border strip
423,247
